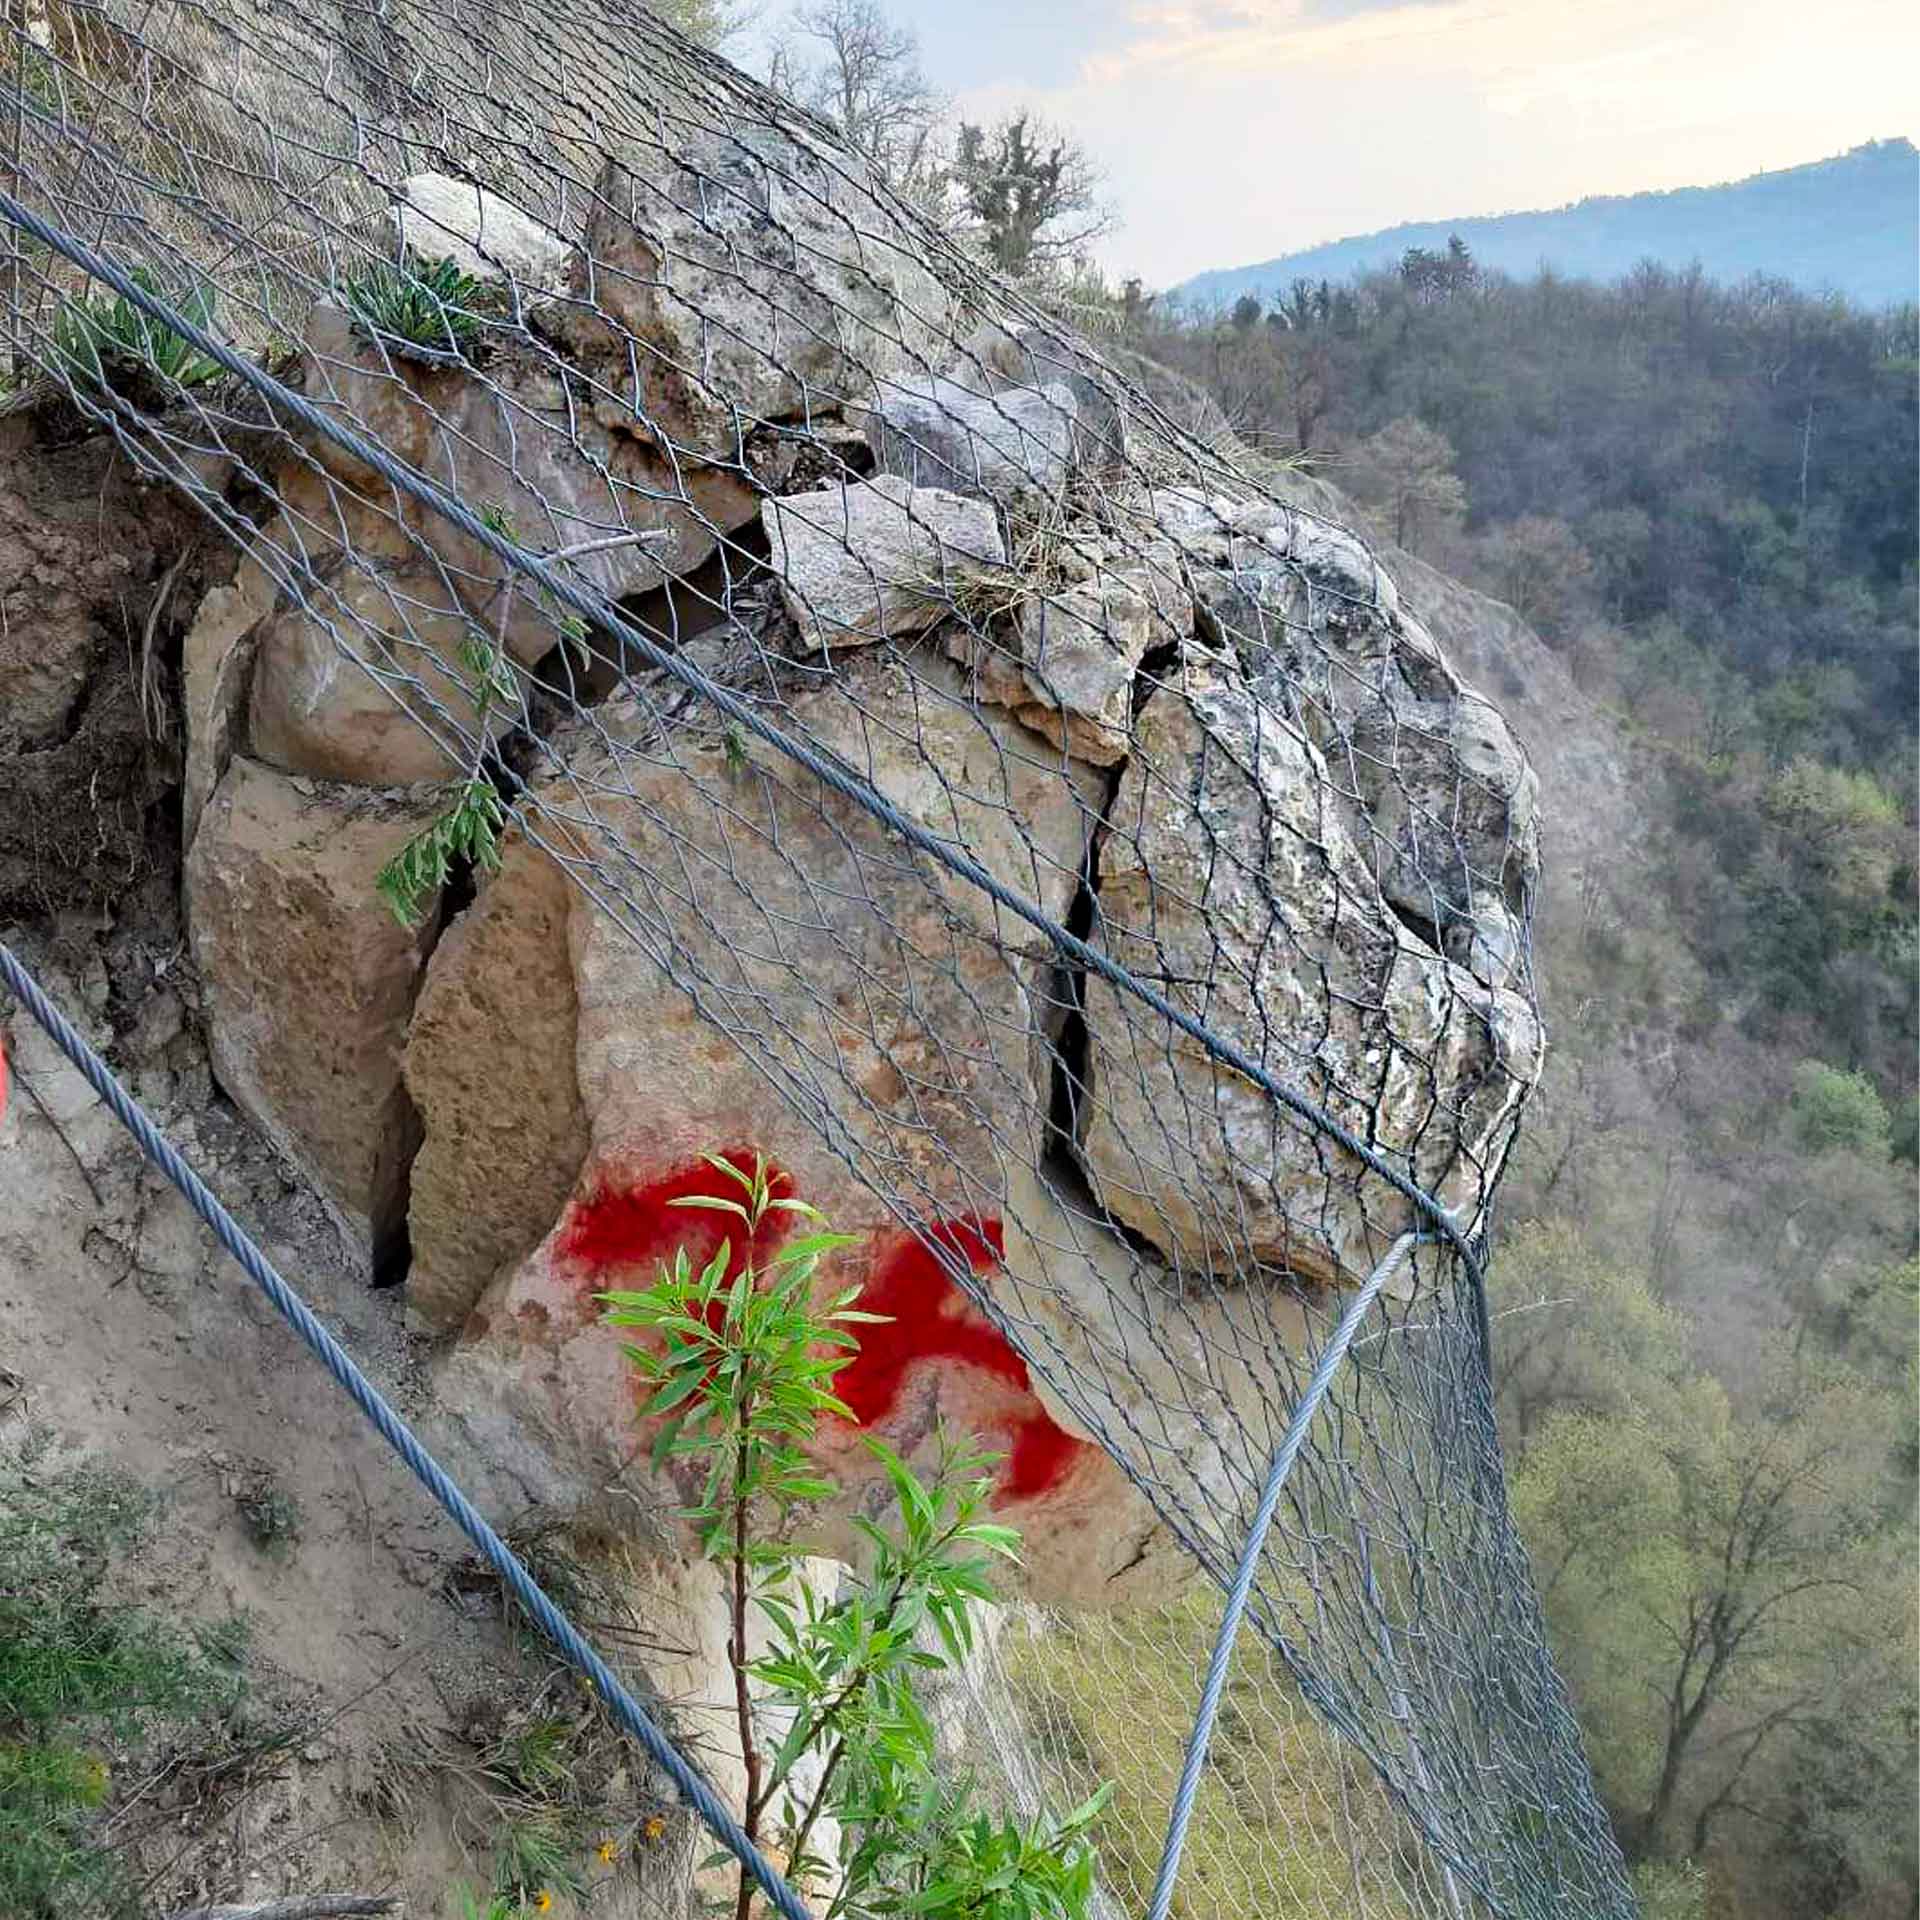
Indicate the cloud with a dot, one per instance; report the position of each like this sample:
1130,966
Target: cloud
1340,9
1236,130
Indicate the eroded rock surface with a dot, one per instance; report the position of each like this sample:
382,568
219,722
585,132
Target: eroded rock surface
1194,726
877,560
309,979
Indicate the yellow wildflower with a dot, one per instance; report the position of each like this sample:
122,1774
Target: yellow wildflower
543,1901
655,1826
608,1852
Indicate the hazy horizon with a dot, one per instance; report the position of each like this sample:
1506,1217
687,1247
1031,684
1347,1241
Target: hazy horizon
1234,131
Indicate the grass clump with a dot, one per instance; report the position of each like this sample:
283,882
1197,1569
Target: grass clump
81,1678
420,303
107,343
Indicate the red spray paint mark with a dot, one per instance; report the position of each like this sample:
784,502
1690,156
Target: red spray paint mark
932,1322
623,1234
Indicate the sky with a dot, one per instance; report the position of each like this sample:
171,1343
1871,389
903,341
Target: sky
1235,130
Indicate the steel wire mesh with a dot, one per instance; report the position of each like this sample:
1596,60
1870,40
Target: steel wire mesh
778,434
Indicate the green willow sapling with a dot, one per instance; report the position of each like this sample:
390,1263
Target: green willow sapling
742,1365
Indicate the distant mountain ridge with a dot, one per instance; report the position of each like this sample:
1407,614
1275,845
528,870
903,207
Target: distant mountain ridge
1850,224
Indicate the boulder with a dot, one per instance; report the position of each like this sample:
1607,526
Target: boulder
738,278
618,516
308,980
435,217
1228,878
1016,441
490,1066
365,681
1026,354
1430,782
897,1012
517,446
878,560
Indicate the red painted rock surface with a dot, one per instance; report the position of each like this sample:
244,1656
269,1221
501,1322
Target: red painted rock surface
542,1381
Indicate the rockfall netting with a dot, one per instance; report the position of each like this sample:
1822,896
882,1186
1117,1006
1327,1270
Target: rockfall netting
699,664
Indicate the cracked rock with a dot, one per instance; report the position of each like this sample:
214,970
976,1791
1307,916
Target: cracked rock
877,560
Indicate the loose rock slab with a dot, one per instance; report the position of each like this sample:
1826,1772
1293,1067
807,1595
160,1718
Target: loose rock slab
878,560
309,979
933,432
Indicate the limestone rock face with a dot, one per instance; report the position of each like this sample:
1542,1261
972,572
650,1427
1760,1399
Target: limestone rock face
309,980
1227,873
438,218
1082,648
763,277
490,1064
863,563
935,432
1195,727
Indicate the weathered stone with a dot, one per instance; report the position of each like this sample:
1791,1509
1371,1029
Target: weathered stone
877,560
434,217
355,380
1022,353
904,1016
745,277
365,682
1430,781
216,665
308,979
932,432
1081,650
490,1066
1228,876
552,474
557,480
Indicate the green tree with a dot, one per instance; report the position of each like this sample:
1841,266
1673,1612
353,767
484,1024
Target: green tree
1833,1108
713,23
1705,1571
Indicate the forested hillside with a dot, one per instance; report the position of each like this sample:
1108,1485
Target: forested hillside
1850,224
1703,499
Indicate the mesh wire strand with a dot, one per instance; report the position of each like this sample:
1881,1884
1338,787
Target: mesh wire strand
1185,720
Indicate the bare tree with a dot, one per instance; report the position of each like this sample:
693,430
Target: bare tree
850,64
1406,469
1030,193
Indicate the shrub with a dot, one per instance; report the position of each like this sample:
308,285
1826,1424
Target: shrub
742,1367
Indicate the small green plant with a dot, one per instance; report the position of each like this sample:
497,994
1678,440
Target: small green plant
75,1670
468,830
270,1515
422,303
102,341
742,1367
